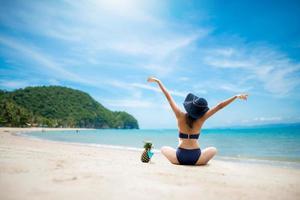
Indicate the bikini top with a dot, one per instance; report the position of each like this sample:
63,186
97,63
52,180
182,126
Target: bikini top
188,136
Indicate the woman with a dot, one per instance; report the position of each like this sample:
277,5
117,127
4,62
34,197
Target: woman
189,125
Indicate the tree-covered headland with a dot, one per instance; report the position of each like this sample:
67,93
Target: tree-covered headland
56,106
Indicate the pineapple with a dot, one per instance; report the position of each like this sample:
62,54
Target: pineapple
147,154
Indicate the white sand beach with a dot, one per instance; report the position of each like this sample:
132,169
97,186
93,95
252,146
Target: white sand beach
37,169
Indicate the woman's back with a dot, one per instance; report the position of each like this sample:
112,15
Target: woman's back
183,124
183,127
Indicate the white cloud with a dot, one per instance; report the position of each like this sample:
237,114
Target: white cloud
53,82
157,47
36,55
60,72
233,88
267,119
226,63
278,74
89,30
13,84
47,64
184,78
147,87
157,89
128,103
129,9
220,85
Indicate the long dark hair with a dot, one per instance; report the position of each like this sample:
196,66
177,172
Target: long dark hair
189,120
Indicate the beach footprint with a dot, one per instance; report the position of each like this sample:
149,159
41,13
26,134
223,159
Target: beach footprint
60,164
59,180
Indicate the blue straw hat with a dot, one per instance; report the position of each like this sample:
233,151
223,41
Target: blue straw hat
196,107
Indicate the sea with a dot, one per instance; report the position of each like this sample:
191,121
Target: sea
274,145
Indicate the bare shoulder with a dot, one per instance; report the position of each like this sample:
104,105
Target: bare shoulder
181,116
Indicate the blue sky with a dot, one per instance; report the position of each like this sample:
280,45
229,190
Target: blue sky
215,49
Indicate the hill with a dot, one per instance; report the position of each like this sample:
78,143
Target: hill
56,106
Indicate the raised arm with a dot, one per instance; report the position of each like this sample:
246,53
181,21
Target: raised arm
222,104
171,101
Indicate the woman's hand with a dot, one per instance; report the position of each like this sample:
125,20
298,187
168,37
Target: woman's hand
153,79
171,101
242,96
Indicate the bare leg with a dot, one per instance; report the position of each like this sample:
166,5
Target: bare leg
206,155
170,154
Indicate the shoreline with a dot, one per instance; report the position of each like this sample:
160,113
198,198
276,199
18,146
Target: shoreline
243,160
43,169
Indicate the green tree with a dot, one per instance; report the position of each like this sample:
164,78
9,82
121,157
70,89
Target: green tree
56,106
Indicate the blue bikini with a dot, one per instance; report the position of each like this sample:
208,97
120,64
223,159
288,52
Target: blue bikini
188,156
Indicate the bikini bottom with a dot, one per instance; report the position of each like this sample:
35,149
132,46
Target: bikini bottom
188,156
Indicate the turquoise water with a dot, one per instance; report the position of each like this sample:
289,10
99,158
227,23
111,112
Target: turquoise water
271,143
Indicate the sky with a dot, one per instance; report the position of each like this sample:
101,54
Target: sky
214,49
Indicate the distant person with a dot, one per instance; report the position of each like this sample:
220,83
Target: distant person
190,123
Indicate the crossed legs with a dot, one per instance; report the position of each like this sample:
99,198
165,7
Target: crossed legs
206,155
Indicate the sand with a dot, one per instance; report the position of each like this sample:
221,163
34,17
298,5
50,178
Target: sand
38,169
